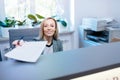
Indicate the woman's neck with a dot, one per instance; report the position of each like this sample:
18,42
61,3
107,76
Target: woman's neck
48,39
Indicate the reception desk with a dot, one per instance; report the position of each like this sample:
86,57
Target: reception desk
64,65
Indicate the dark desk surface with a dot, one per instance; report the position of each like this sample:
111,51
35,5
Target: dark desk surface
64,65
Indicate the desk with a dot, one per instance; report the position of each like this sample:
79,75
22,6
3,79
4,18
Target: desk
64,65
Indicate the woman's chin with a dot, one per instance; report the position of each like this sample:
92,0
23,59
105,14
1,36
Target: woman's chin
49,35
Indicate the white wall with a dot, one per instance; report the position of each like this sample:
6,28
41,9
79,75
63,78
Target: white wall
95,8
66,8
114,9
2,10
2,14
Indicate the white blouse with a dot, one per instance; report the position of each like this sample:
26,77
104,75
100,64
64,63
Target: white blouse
48,50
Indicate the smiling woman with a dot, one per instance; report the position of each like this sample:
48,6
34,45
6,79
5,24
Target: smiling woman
49,33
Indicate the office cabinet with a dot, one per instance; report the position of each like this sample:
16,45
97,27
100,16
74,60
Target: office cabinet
67,40
4,46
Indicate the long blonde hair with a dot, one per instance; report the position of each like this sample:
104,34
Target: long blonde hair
55,36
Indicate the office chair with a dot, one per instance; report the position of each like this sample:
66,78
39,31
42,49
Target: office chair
27,34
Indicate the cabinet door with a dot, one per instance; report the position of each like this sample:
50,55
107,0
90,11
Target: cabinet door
3,49
67,41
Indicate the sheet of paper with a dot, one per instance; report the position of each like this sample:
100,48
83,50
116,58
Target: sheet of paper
29,51
112,74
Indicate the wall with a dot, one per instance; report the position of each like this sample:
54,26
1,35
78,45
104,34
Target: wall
67,14
2,10
95,8
65,5
1,13
114,9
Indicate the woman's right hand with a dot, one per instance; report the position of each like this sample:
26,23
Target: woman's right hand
17,43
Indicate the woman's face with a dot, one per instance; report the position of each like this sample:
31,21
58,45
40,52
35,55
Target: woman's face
49,28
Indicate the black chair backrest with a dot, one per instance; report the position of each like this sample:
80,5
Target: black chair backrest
27,33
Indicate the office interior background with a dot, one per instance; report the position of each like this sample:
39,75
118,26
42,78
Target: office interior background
73,11
89,23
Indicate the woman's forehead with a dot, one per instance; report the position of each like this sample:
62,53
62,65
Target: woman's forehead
49,21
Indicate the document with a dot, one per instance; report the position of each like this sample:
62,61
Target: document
28,52
112,74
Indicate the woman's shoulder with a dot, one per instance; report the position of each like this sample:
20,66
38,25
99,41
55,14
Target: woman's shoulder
57,41
58,45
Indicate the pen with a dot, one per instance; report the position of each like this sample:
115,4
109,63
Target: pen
20,40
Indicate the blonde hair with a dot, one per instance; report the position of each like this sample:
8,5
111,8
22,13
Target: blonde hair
55,36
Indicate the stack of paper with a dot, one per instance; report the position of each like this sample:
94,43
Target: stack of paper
112,74
29,51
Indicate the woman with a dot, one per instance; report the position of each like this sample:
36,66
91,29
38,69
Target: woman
49,33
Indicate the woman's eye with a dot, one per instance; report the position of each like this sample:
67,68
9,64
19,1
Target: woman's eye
45,26
52,25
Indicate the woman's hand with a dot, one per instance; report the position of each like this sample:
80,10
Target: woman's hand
17,43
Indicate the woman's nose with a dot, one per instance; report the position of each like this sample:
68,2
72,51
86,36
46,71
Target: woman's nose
49,27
